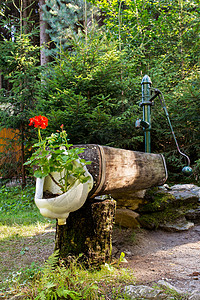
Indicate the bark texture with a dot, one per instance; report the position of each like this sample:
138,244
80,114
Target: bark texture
88,233
120,172
44,37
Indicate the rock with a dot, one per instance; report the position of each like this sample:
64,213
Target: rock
193,214
189,192
144,292
192,187
147,223
168,208
129,203
156,201
167,286
186,193
126,218
131,200
162,290
195,295
178,225
102,197
164,187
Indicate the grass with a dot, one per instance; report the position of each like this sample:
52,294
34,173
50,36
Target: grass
30,268
27,242
23,235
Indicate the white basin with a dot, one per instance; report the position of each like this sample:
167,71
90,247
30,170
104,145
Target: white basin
60,206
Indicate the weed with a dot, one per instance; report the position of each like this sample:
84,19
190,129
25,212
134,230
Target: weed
170,292
17,206
14,198
55,281
24,232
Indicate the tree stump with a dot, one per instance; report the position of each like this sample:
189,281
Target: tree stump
87,234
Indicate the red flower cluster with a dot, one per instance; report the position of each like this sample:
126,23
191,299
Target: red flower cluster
39,122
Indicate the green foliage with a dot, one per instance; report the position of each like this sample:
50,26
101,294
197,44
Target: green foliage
24,275
84,91
75,282
93,84
184,113
54,154
162,41
17,206
14,199
65,19
19,60
196,171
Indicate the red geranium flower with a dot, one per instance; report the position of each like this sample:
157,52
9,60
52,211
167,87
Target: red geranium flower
39,122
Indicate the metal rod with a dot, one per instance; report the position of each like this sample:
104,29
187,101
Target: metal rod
162,101
146,104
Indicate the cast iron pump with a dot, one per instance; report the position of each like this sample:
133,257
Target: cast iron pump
148,96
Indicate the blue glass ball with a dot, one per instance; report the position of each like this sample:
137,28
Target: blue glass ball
187,170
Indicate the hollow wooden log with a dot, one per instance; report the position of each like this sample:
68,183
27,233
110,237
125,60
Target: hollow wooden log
87,234
119,171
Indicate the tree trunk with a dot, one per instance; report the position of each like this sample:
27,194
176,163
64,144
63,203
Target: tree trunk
44,37
0,80
119,171
87,234
22,156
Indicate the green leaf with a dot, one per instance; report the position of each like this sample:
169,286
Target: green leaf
39,174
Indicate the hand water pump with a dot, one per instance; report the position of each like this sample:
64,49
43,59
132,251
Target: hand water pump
148,95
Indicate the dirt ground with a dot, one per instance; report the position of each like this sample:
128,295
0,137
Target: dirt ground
156,255
153,255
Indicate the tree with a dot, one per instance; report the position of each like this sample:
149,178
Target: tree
65,18
83,91
19,63
44,37
93,83
162,41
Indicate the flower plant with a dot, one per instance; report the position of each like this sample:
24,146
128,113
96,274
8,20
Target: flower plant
55,154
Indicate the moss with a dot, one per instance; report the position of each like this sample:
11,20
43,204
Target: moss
157,201
153,220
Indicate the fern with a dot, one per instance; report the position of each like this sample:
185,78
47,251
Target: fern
51,263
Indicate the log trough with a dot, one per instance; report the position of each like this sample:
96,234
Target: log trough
115,172
119,171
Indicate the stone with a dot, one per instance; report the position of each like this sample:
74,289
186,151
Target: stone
144,292
168,208
189,192
195,295
193,214
184,193
178,225
129,203
164,187
166,286
130,200
126,218
148,224
187,186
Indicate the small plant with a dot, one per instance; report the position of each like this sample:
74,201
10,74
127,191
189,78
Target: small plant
54,154
13,199
122,259
56,281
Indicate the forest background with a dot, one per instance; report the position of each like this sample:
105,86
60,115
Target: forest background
80,63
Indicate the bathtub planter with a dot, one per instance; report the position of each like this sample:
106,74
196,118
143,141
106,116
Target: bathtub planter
60,206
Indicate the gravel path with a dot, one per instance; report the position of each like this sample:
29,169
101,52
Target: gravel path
155,255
